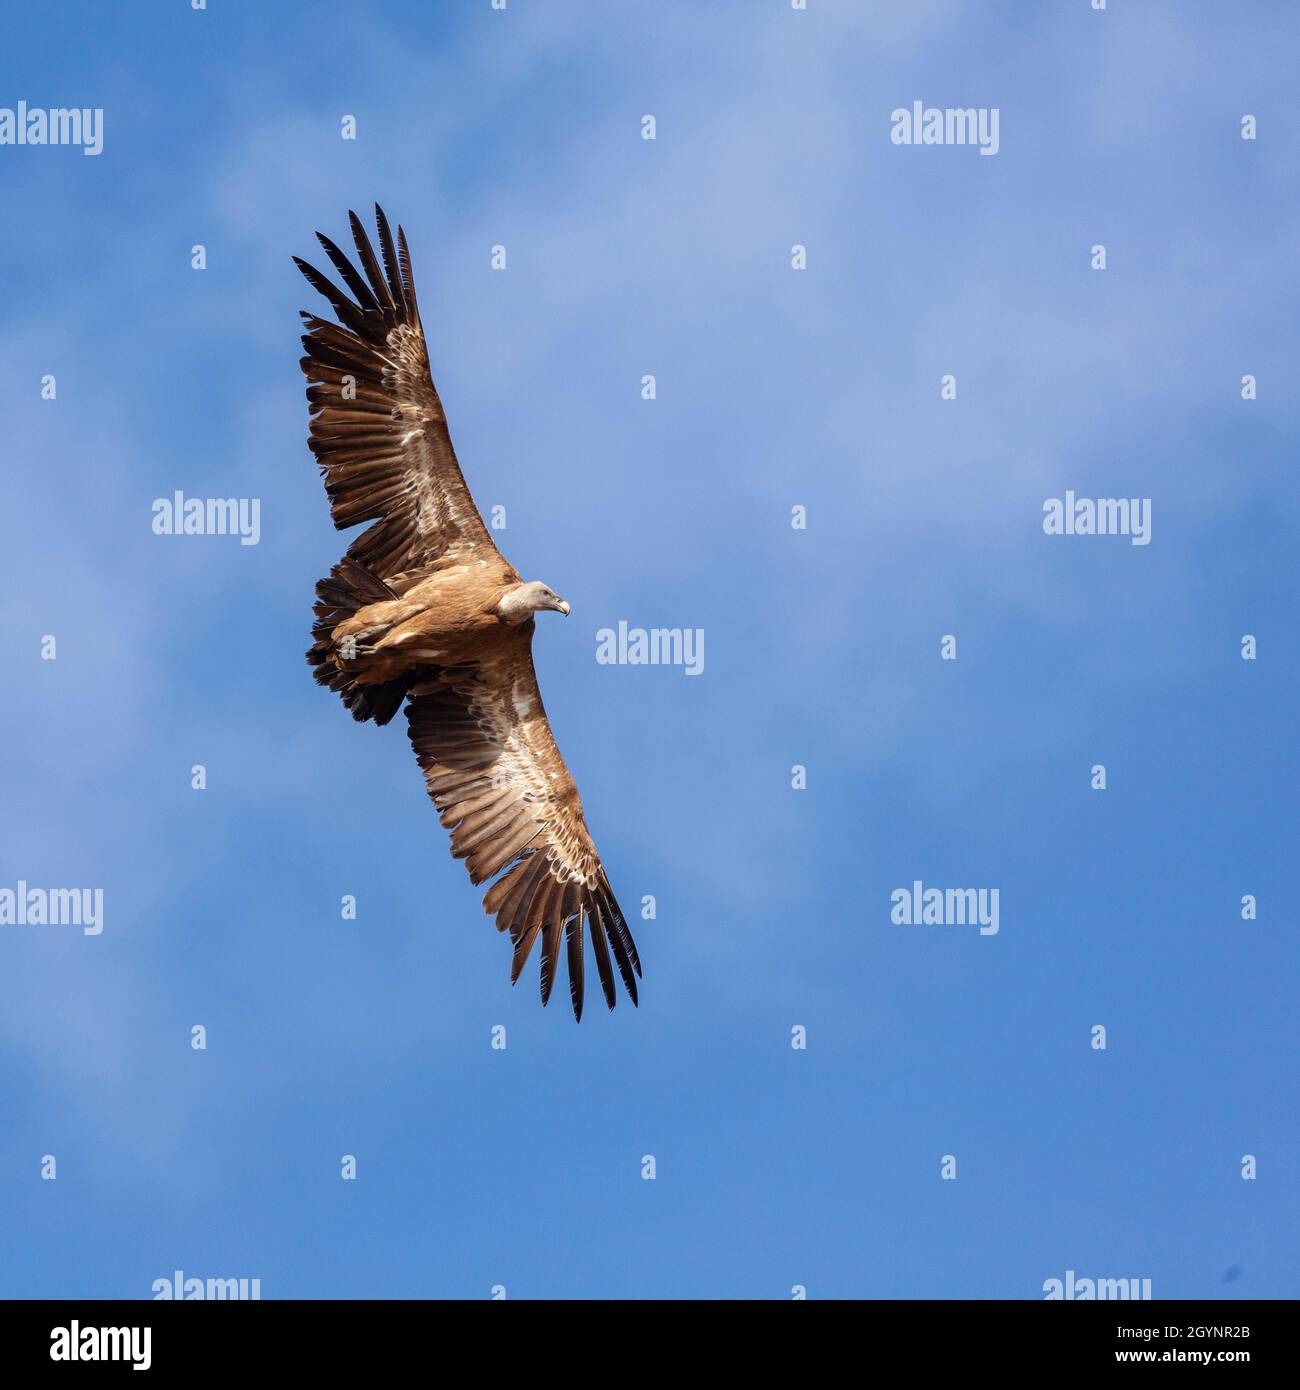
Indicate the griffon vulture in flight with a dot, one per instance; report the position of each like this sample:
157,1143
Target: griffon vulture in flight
425,609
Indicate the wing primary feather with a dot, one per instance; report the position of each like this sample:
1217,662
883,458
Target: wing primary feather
573,944
343,306
366,255
391,271
408,278
551,929
531,924
620,948
620,924
600,949
348,271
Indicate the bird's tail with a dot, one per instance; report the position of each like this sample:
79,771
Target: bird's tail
350,587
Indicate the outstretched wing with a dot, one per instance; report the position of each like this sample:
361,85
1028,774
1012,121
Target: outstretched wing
494,772
377,426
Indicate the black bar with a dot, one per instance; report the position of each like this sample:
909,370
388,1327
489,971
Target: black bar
339,1338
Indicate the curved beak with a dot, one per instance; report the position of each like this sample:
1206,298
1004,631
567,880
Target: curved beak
564,608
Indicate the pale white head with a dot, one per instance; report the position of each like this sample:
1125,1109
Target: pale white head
523,600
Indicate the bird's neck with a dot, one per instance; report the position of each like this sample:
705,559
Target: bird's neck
515,604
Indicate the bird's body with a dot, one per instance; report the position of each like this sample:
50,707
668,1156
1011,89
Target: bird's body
424,610
447,618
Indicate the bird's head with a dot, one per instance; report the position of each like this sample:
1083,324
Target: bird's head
524,600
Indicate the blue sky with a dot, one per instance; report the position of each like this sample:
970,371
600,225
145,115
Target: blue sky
775,388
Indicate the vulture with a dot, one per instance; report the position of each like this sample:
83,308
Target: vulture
424,611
